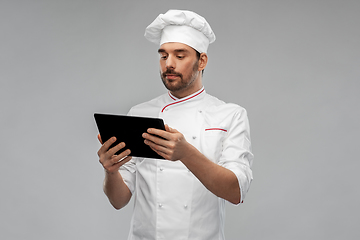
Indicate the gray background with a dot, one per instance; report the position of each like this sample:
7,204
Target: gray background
294,65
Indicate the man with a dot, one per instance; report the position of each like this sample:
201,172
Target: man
206,144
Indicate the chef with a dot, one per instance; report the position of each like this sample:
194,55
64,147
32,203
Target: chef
206,146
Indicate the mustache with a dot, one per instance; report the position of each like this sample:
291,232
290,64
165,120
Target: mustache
172,72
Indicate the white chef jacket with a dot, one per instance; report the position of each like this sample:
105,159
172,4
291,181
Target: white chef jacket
170,202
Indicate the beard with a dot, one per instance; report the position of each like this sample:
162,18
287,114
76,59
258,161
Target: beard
185,81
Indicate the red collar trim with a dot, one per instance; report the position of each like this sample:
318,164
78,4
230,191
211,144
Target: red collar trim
172,97
183,100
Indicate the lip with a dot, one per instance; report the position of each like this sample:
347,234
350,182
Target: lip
171,76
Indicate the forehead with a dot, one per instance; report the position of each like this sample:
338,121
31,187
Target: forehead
176,47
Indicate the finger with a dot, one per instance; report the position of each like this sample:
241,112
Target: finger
169,129
161,133
158,132
164,134
157,148
123,161
114,159
112,151
155,139
99,138
106,145
116,166
122,155
161,153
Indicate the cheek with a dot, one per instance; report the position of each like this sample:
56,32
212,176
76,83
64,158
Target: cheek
162,67
190,68
186,68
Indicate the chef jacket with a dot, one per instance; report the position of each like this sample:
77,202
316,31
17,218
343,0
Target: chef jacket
170,202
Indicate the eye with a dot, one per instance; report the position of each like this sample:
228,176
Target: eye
163,57
180,57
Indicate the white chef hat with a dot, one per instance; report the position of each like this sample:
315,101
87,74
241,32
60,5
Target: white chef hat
181,26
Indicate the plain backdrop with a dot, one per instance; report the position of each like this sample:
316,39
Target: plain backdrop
294,65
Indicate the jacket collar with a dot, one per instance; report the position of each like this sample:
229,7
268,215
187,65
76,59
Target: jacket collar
195,96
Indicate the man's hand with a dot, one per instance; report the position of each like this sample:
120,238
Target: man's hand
107,157
170,144
114,187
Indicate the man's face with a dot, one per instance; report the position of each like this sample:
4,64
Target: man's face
179,68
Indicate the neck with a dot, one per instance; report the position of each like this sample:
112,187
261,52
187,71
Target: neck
180,95
195,86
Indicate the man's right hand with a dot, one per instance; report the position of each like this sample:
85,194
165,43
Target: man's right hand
107,157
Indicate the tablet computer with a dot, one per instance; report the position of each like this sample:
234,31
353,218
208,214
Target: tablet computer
128,129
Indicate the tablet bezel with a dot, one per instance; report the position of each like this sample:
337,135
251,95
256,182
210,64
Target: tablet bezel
128,129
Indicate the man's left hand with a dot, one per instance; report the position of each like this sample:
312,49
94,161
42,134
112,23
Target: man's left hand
170,144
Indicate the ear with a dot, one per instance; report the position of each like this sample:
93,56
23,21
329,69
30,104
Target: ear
202,61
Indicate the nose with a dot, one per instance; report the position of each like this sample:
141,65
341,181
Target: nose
170,63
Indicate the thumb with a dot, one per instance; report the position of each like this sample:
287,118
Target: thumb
99,138
169,129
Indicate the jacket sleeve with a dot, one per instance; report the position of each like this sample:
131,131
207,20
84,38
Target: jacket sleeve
128,171
236,151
